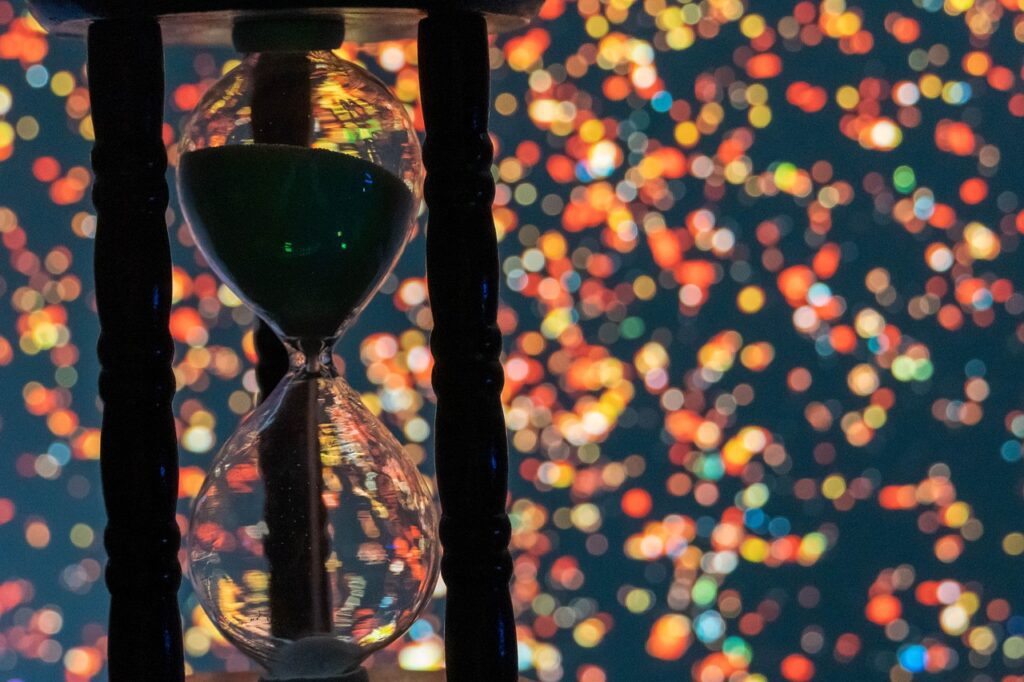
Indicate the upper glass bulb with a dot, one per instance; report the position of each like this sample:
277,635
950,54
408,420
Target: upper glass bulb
300,172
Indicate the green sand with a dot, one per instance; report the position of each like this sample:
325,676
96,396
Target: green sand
302,235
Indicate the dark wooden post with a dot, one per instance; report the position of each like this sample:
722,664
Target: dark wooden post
139,458
271,359
296,543
281,114
462,270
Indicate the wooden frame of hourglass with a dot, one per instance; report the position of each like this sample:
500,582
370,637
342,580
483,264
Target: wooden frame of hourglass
133,291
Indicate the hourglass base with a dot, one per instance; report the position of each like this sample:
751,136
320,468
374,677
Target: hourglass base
357,675
317,658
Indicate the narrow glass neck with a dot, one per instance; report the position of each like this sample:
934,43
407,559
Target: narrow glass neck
311,356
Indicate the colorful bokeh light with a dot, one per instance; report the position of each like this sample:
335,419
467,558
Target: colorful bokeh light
762,334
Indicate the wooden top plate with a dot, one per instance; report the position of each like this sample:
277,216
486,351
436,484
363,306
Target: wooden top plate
209,22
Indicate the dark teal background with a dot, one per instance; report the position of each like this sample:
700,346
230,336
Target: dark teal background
983,459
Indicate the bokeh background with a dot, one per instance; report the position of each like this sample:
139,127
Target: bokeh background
762,327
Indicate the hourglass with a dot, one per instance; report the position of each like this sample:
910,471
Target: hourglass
359,522
313,540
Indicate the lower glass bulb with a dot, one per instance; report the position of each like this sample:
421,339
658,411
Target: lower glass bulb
313,541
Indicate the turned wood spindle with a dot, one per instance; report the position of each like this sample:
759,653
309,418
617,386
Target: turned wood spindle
471,451
139,456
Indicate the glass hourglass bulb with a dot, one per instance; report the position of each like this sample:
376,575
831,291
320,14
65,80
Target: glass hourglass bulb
313,540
